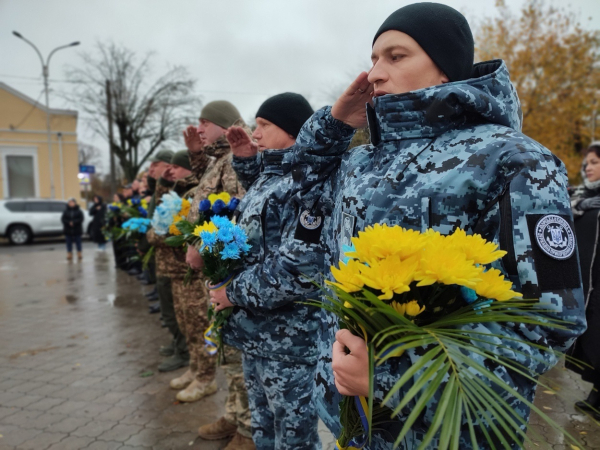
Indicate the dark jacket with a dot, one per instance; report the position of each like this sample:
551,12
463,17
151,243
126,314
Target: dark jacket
587,231
98,212
72,216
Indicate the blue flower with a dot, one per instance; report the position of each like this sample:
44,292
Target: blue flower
222,222
142,211
233,203
231,251
468,294
218,206
239,236
114,208
225,235
204,205
209,239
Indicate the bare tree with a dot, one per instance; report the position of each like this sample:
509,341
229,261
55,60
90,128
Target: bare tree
89,155
147,114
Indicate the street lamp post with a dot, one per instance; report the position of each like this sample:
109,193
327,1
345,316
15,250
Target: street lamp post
45,73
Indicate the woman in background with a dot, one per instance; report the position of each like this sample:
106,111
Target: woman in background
72,220
98,212
585,204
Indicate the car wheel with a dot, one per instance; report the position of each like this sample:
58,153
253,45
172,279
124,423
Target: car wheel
19,234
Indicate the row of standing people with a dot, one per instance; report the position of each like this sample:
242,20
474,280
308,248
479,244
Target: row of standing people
446,152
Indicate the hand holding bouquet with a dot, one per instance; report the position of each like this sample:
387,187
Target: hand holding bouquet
401,289
222,245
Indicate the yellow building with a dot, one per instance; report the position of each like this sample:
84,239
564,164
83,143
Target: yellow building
24,156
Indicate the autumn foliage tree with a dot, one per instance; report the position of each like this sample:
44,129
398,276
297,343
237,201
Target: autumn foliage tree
555,66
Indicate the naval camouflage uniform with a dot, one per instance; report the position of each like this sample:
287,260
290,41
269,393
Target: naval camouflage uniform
212,167
446,157
275,331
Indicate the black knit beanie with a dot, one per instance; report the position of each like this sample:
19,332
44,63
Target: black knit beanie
288,111
441,31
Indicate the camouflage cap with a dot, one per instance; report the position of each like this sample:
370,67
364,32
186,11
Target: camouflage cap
163,155
181,159
220,112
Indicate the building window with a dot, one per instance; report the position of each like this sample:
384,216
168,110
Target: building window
20,176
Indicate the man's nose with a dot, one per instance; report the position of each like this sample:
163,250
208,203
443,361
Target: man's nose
377,73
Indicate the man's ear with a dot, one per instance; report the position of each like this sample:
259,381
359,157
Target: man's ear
444,78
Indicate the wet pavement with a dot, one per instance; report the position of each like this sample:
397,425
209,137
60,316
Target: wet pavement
78,358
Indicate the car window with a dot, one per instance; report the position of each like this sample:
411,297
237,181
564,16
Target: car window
58,207
15,206
39,207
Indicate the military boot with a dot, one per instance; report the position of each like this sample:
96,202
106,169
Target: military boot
167,350
197,390
174,362
591,403
220,429
183,381
240,442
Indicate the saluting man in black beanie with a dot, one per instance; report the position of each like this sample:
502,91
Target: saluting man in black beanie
446,152
269,323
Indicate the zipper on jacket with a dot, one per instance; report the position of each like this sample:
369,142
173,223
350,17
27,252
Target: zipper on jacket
506,237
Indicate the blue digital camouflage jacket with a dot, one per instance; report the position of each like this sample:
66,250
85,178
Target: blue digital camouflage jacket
444,157
268,321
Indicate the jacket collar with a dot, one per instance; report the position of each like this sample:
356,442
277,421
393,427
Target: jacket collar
218,149
275,161
488,97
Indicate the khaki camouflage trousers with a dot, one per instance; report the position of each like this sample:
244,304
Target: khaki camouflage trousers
191,309
237,411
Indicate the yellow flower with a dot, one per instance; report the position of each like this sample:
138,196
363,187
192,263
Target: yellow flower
390,276
185,207
348,305
441,263
493,285
173,228
347,276
399,307
208,226
222,196
413,308
476,248
380,241
144,203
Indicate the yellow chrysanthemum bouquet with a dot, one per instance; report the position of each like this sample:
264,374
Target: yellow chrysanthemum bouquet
401,289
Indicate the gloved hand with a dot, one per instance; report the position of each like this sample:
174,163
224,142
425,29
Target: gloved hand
589,203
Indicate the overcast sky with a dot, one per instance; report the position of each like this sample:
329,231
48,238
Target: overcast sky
241,51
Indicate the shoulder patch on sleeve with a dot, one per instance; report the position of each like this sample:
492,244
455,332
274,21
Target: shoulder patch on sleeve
554,251
309,227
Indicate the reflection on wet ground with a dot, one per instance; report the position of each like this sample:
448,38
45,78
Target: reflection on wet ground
78,360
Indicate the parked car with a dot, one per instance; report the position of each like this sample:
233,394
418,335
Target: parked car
23,219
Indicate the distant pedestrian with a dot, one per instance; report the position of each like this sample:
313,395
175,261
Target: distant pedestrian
72,220
98,212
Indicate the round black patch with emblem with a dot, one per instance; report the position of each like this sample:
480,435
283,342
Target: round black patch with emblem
309,221
555,237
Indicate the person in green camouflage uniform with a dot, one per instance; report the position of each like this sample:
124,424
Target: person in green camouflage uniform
158,164
170,262
211,157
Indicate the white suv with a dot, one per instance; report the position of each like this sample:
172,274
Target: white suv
22,219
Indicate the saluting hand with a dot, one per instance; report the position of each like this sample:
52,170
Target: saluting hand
350,370
219,300
350,107
240,142
192,139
